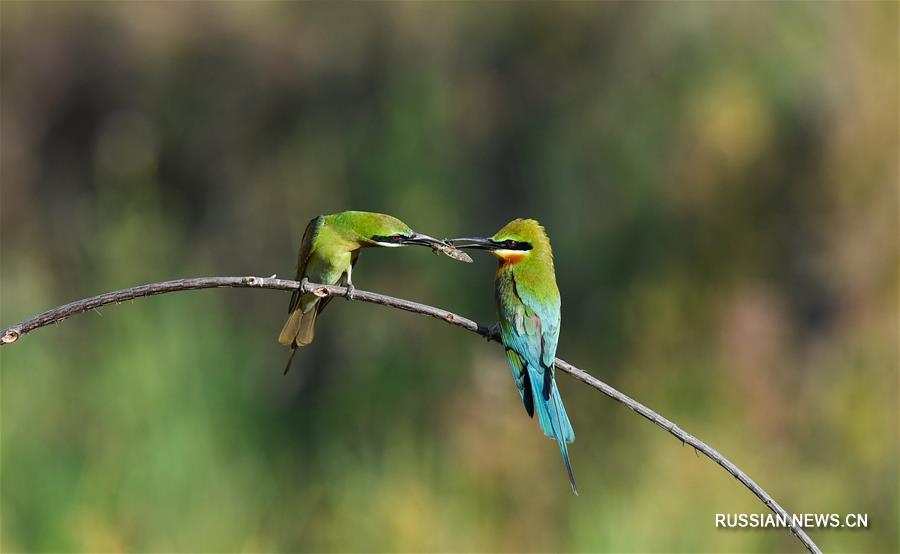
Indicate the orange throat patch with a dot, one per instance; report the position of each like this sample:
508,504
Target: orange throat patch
508,257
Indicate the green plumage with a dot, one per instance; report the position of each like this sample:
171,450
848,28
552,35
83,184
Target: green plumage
528,304
328,252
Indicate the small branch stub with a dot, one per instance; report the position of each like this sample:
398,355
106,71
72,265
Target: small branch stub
10,336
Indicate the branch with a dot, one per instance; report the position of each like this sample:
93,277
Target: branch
12,334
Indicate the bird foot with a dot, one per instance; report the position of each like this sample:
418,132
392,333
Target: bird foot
493,331
350,291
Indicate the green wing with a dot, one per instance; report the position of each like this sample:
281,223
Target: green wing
306,248
529,328
520,330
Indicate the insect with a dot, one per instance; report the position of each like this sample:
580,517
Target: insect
451,252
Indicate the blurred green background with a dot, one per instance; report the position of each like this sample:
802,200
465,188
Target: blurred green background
719,182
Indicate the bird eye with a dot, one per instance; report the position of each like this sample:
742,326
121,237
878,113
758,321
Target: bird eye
396,238
510,243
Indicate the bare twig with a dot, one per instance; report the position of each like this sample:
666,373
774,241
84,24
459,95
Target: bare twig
12,334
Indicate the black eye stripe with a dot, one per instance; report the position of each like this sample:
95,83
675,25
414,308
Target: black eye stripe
388,238
510,244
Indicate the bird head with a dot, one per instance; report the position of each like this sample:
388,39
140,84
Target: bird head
517,241
374,230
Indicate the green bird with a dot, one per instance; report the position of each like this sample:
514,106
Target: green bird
328,252
528,304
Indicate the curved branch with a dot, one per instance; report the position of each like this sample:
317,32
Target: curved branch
12,334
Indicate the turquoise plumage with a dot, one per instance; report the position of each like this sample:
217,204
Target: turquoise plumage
528,304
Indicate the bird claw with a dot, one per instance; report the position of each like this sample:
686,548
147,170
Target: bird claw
493,331
350,291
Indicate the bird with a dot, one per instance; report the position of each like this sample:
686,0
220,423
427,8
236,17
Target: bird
328,252
528,304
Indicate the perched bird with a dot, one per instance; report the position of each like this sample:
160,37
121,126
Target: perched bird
529,308
328,252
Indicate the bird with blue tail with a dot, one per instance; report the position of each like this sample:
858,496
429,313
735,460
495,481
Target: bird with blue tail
528,304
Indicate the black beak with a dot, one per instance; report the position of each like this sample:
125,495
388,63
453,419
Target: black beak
423,240
480,243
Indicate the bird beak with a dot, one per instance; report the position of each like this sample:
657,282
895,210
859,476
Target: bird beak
424,240
480,243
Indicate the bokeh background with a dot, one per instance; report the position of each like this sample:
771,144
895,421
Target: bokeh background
719,182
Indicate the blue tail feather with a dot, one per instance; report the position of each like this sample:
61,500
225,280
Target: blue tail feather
553,419
551,412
